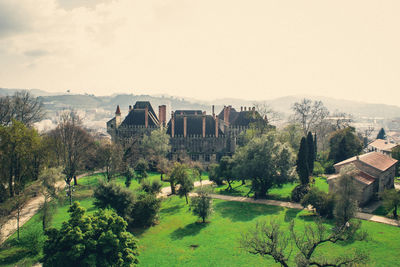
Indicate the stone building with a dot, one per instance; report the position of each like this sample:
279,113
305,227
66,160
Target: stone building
382,146
375,173
194,134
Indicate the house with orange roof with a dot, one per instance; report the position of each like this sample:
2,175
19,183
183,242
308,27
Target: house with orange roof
375,173
382,146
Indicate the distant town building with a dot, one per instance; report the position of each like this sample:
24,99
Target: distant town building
376,173
382,146
193,133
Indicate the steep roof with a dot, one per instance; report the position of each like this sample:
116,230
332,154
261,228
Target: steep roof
241,118
194,124
361,176
137,115
383,145
374,159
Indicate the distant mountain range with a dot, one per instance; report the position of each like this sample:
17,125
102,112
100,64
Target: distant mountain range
57,101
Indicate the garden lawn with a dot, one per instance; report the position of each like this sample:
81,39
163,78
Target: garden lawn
277,193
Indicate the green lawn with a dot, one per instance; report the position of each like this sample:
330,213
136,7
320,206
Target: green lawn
278,193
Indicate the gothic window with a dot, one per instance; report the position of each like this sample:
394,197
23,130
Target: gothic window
207,157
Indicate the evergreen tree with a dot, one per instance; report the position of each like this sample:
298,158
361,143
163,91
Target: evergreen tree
381,134
302,166
311,152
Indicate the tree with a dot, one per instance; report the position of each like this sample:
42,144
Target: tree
129,174
111,159
153,187
344,144
302,164
264,161
72,142
266,111
309,114
48,179
145,210
391,200
141,168
201,204
310,152
291,134
213,174
381,134
100,239
224,171
177,172
345,191
186,183
23,107
163,166
341,120
111,195
267,238
322,202
154,147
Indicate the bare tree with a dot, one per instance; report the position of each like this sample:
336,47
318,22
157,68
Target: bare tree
309,114
266,111
22,106
341,119
267,238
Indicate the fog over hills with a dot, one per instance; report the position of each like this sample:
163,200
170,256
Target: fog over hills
96,110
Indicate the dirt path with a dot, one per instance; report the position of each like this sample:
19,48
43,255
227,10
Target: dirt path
31,208
166,191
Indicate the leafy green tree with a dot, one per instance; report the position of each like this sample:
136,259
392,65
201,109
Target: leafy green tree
111,195
396,155
291,134
267,238
345,191
213,174
154,147
311,152
302,163
266,162
344,144
201,204
322,202
391,200
111,160
381,134
48,178
225,171
100,239
186,183
176,173
141,168
129,174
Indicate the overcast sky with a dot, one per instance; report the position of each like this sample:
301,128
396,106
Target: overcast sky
255,49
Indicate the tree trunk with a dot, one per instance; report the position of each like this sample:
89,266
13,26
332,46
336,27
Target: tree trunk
75,180
18,214
204,219
172,188
187,202
395,212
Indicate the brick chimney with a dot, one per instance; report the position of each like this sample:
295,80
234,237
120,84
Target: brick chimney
216,126
213,113
227,112
162,115
254,112
241,108
204,124
146,117
130,108
244,108
184,126
172,124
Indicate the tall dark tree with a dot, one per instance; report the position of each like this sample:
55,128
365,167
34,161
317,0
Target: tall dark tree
302,166
381,134
311,152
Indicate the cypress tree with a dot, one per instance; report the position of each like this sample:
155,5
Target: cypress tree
302,162
311,152
381,134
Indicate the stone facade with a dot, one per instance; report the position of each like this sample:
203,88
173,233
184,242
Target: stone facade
193,133
376,173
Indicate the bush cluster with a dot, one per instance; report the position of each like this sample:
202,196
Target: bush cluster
322,202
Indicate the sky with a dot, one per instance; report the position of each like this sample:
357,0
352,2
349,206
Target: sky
208,49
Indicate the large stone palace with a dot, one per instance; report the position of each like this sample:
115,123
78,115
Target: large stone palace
193,133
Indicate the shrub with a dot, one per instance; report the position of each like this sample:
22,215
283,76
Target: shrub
299,192
114,196
151,187
201,204
321,201
145,210
318,169
32,239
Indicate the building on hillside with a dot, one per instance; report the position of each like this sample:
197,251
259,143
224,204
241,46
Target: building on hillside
375,173
382,146
193,133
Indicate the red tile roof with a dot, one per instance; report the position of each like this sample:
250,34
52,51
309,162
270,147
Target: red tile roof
377,160
383,145
365,178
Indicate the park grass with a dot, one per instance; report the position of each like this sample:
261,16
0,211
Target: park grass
180,240
277,193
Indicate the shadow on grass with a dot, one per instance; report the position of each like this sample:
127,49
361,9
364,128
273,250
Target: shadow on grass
291,214
278,197
172,210
13,255
240,211
189,230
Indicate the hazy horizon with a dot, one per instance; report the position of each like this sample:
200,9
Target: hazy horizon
206,50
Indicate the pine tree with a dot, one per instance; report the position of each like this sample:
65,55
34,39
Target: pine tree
381,134
302,162
311,152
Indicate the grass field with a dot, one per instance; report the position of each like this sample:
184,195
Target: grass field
278,193
180,240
